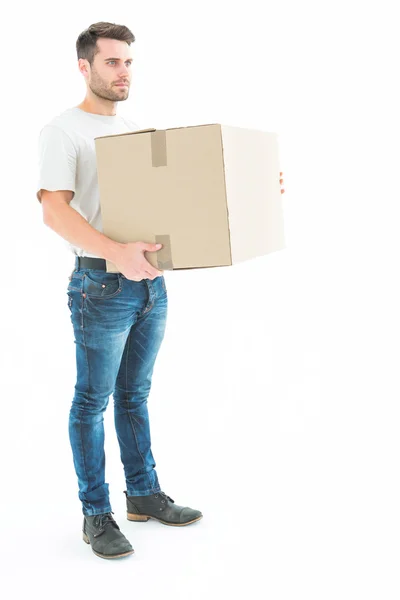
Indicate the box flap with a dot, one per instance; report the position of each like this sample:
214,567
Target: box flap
153,129
189,126
127,133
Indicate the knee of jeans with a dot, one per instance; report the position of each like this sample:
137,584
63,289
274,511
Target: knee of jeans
89,402
133,399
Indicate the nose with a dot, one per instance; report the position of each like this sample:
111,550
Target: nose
124,73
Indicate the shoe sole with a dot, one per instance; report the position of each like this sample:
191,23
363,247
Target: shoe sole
86,539
142,518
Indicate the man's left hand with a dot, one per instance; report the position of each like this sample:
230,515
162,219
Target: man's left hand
281,182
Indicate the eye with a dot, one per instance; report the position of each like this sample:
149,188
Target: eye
113,61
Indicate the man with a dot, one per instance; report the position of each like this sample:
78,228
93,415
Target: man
118,318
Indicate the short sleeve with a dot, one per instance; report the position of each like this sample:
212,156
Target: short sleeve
57,160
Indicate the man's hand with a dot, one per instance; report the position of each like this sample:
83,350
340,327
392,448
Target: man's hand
132,263
281,182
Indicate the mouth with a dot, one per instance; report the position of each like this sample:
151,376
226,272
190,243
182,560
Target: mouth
121,84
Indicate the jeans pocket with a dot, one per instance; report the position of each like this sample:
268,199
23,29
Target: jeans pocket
100,284
75,282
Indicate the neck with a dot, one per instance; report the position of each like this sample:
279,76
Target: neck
107,110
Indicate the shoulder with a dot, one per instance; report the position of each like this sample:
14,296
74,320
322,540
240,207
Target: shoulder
59,128
61,123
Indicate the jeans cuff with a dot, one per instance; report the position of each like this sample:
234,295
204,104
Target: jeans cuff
97,511
144,492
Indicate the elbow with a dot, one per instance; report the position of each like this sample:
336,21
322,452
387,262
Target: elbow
48,217
54,202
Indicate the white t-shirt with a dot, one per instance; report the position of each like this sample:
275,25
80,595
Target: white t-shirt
67,160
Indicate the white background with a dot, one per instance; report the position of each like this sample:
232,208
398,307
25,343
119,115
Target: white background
275,399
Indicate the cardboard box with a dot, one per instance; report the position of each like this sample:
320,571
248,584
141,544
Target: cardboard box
209,193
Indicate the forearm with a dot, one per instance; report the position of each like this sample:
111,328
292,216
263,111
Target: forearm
70,225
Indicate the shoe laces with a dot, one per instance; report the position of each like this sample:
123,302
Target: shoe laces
164,496
103,520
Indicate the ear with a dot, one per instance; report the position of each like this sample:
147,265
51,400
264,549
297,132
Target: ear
83,66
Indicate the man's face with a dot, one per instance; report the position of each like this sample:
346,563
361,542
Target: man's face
111,65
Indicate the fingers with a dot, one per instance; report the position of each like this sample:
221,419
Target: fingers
143,275
150,274
281,182
150,247
137,278
151,271
148,270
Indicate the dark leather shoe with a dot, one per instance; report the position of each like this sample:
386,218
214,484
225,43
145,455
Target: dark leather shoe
105,537
161,507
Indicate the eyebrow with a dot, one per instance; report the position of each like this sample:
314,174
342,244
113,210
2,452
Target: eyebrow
106,59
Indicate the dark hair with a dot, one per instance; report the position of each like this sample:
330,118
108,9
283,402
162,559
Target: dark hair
86,44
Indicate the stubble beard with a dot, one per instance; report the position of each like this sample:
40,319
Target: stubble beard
99,88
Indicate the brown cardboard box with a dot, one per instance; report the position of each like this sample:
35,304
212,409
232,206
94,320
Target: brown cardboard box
209,193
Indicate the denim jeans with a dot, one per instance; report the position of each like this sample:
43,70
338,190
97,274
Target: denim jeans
119,326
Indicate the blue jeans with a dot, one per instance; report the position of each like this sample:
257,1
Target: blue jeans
119,325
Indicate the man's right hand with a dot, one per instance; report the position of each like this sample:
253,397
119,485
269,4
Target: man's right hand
132,263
